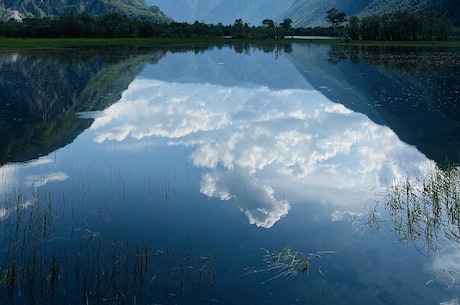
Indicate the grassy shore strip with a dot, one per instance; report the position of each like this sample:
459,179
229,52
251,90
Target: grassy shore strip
45,43
384,43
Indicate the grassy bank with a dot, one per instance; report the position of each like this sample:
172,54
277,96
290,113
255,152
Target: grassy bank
40,43
37,43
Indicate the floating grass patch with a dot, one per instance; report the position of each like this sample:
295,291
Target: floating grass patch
286,263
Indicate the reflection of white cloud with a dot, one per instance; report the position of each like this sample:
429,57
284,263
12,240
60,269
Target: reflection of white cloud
15,178
142,113
345,215
40,161
8,177
446,268
450,302
257,201
284,141
3,213
38,181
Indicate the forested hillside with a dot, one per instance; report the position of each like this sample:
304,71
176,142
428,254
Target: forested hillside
301,12
38,8
311,12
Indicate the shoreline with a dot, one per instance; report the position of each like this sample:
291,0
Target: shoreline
49,43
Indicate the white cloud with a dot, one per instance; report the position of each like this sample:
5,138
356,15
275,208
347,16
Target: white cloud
12,175
450,302
256,200
38,181
446,268
288,141
16,178
173,114
8,178
3,213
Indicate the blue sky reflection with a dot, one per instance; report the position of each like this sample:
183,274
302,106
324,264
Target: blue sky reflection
264,148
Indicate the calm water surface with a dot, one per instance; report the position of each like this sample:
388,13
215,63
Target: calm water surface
226,175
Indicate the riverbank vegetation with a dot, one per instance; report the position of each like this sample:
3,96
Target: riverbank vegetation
400,26
406,26
426,210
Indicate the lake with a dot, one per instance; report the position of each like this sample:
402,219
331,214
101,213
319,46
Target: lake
230,174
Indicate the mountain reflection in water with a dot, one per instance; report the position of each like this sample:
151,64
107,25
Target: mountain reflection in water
232,174
260,145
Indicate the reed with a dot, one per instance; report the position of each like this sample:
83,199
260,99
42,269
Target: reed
426,209
55,256
286,263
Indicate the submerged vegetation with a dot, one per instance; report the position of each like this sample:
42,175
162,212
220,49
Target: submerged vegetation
50,254
426,210
286,263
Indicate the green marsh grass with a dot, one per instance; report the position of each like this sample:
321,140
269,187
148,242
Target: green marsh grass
46,43
286,263
426,209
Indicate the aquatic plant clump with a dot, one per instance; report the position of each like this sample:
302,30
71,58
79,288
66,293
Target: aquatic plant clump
427,209
287,263
43,260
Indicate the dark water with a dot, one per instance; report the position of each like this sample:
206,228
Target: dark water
229,175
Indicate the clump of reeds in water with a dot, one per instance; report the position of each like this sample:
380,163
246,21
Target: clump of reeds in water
51,256
287,263
426,209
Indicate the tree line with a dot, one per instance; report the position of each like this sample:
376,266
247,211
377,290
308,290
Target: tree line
398,25
392,26
115,25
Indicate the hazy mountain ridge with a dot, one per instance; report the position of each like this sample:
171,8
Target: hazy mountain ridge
223,11
312,12
302,12
37,8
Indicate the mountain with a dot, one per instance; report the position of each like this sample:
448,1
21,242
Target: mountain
42,116
312,12
224,11
301,12
18,9
416,98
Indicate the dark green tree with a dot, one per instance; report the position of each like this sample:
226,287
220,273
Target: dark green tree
335,17
268,29
286,27
268,23
240,29
370,27
353,28
286,24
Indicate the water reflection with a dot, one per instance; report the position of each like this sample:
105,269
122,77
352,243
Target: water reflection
406,89
426,209
207,162
38,112
263,148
